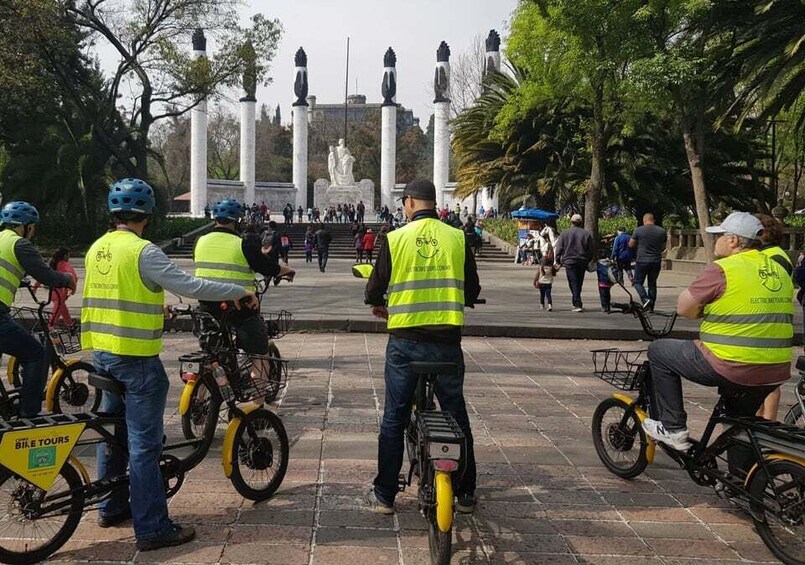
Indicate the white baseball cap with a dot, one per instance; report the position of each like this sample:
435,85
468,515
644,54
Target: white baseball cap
576,218
742,224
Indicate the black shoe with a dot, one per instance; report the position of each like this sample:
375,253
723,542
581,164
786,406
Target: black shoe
177,536
114,520
466,504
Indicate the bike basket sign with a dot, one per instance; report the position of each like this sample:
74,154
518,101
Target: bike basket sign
36,455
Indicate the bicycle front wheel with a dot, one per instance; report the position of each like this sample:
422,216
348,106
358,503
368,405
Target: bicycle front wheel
440,525
779,494
795,416
274,372
619,440
29,532
259,455
72,393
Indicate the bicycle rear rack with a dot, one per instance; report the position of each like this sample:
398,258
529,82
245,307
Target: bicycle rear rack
443,438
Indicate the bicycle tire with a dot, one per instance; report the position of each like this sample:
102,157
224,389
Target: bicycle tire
619,439
72,394
203,412
256,453
62,534
440,543
794,417
13,372
274,371
758,488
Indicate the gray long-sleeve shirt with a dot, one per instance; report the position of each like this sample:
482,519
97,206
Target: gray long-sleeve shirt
33,264
158,271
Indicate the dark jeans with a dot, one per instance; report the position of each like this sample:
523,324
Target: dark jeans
545,294
575,280
652,272
323,255
671,359
605,294
623,266
400,391
15,340
144,406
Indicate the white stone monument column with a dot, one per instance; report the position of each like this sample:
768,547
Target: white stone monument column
300,131
198,141
492,52
388,132
247,148
441,119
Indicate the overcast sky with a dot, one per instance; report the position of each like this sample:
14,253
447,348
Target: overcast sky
413,28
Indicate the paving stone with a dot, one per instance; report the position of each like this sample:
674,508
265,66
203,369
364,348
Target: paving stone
243,553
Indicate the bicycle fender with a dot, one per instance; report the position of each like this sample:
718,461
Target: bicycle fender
773,457
52,383
73,460
651,447
184,399
444,501
12,363
229,439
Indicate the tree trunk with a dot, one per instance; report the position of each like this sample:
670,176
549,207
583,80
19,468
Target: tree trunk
592,195
693,137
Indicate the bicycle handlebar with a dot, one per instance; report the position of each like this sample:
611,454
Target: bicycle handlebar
639,312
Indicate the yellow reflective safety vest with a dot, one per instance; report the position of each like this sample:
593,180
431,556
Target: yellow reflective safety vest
753,321
427,275
119,314
11,272
219,257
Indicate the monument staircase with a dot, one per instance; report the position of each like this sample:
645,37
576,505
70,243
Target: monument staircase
341,246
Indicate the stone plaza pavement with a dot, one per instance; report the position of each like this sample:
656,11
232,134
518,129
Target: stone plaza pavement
543,495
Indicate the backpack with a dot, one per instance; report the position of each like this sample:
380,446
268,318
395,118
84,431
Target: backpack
285,241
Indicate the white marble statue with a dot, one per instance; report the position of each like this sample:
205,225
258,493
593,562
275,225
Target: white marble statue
339,163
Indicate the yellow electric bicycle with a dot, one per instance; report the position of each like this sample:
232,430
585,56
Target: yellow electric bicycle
757,465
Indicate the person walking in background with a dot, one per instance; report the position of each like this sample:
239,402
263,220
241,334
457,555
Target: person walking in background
649,241
574,251
623,255
543,280
322,240
286,244
604,283
310,237
357,241
368,244
299,213
60,262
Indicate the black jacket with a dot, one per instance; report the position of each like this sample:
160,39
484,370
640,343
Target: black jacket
379,282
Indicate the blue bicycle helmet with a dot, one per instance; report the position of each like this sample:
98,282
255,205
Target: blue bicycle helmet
228,210
131,195
19,213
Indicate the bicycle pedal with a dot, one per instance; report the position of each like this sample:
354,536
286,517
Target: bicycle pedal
401,483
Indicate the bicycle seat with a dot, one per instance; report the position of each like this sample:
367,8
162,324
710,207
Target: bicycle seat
106,383
434,368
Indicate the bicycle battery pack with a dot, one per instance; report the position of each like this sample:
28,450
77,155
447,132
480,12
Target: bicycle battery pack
444,439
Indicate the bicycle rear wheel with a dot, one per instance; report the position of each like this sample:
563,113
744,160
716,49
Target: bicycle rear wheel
621,445
779,517
73,393
440,538
25,535
259,455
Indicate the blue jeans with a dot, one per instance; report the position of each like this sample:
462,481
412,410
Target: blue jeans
652,272
575,280
400,392
323,255
144,405
15,340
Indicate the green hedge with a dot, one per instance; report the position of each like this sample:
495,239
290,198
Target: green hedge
168,228
507,229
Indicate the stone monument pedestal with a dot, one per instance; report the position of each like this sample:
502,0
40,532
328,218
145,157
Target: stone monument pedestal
326,195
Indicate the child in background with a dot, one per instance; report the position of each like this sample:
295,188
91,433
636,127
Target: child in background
604,283
543,280
60,261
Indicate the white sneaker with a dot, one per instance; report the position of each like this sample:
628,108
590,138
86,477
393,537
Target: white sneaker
577,310
550,308
656,431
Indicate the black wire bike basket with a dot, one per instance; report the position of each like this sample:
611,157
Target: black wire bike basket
277,323
257,377
622,369
66,340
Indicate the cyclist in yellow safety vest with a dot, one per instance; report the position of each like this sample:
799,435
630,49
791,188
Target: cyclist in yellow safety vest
745,300
429,274
18,256
223,256
122,321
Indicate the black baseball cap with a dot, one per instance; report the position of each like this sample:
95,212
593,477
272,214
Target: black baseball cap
421,189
